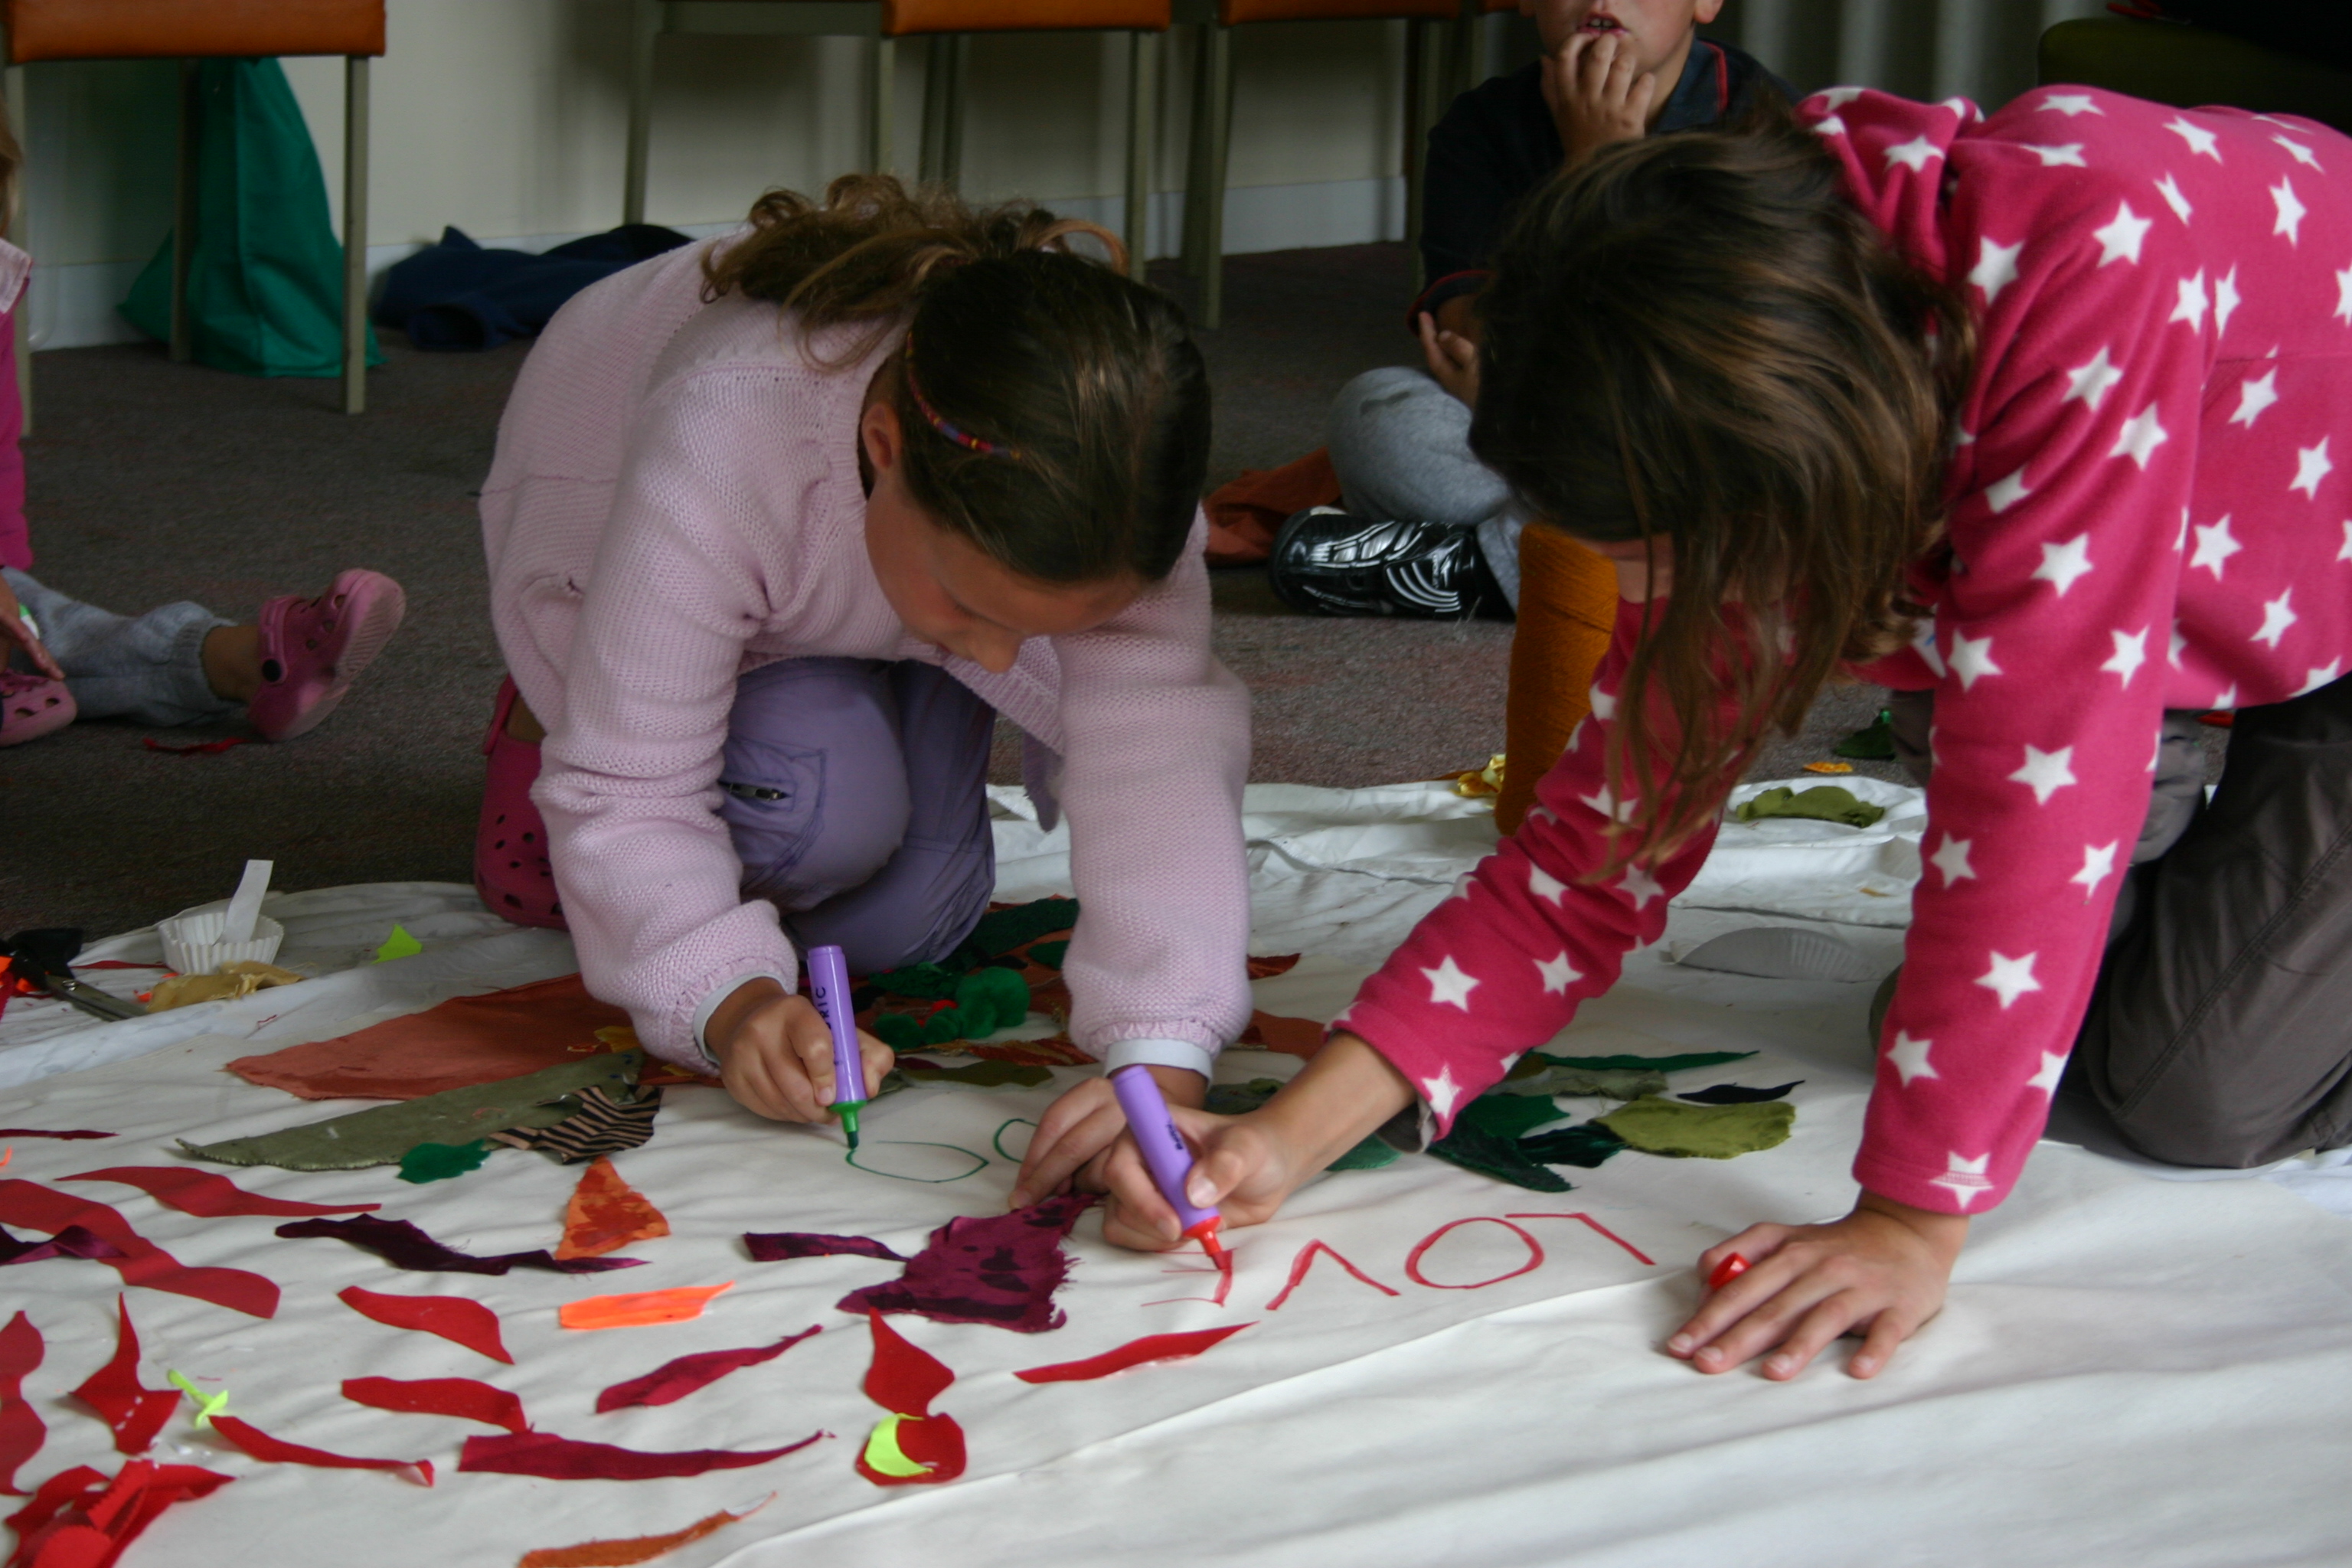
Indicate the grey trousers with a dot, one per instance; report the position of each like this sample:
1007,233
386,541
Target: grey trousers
146,667
1400,444
2220,1032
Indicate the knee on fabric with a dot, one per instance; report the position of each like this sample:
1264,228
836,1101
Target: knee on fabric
812,782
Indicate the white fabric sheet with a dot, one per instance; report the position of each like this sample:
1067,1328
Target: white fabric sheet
2128,1370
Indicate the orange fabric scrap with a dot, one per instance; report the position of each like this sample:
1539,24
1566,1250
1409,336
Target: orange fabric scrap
638,1309
606,1214
636,1548
1292,1036
1244,513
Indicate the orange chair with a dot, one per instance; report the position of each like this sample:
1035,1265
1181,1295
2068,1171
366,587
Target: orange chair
190,30
947,23
1213,108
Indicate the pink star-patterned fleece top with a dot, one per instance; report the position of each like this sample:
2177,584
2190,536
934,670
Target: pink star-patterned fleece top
2147,512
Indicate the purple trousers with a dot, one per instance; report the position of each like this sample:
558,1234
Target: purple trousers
854,790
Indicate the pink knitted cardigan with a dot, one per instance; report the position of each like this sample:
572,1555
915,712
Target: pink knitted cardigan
675,502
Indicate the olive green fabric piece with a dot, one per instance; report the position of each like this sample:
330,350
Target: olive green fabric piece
1647,1064
381,1135
980,1075
1823,802
1683,1130
1609,1083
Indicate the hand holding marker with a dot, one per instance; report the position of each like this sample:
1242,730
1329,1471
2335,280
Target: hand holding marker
1165,1153
829,989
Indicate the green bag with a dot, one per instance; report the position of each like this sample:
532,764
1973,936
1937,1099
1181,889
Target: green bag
266,283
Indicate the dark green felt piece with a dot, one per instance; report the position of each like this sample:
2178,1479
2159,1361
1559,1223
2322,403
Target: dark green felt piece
991,999
1050,954
1002,930
1369,1155
947,1025
1508,1115
1874,744
924,982
381,1135
898,1031
1587,1143
1651,1064
1473,1148
439,1161
980,1075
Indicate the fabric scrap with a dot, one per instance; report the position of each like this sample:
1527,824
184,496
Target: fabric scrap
1245,513
997,1269
402,1245
979,1074
1001,931
209,1406
1476,1148
132,1411
1701,1131
440,1161
674,1380
399,944
1738,1093
911,1446
622,1553
50,1133
82,1519
553,1458
1823,802
380,1136
21,1431
1537,1075
238,977
1585,1144
207,1195
1682,1063
141,1262
1135,1353
74,1241
1045,1051
461,1397
1508,1115
604,1214
461,1320
605,1124
639,1308
777,1246
1291,1036
244,1436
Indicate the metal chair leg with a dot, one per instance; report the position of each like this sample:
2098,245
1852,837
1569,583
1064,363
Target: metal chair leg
1212,213
1142,84
644,27
881,106
19,230
183,210
355,231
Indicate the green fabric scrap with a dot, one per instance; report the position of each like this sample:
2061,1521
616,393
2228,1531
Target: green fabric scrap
1474,1148
980,1075
1682,1131
991,999
947,1025
1823,802
381,1135
924,982
1050,954
1370,1154
399,944
1001,931
1587,1143
898,1031
1647,1064
1609,1083
1508,1115
1874,744
439,1161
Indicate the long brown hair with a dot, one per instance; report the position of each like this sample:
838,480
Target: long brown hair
1698,339
1057,413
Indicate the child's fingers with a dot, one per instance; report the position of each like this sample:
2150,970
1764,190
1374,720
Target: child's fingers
1888,1330
878,1059
1073,1130
1768,1320
1136,1216
1754,1244
1641,95
14,628
1813,1335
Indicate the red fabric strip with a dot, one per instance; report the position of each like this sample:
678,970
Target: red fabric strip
21,1431
143,1263
1135,1353
459,1396
1306,1260
134,1412
557,1458
453,1318
674,1380
81,1518
206,1196
277,1451
903,1378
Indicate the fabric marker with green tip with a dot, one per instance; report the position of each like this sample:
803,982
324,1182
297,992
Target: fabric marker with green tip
829,989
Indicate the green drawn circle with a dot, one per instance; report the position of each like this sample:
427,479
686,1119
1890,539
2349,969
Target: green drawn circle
997,1139
980,1162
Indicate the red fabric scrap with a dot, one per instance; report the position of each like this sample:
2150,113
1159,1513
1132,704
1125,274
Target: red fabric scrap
674,1380
45,1133
636,1549
21,1430
605,1213
278,1451
403,1246
1306,1260
997,1268
903,1378
201,749
935,1441
80,1518
554,1459
1135,1353
143,1263
777,1246
134,1412
206,1196
459,1396
453,1318
1267,968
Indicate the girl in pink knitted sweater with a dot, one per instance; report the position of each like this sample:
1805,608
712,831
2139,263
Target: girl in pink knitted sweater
2034,420
777,528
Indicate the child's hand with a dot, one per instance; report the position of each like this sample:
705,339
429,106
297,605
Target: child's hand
15,631
1452,358
1076,1130
775,1052
1595,94
1882,1270
1244,1167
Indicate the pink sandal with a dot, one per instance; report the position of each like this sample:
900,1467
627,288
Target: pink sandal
511,868
31,706
312,649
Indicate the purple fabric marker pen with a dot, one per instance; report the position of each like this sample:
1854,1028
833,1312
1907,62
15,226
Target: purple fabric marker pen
1165,1152
829,989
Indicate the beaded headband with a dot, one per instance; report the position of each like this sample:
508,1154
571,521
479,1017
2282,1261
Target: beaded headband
970,442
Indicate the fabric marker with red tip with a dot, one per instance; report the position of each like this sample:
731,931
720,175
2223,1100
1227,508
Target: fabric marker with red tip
1165,1153
829,989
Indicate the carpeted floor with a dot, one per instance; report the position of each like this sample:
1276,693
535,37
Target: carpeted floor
151,482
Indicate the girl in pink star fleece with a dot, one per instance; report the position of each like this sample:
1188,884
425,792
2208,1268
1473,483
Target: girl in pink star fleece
2035,420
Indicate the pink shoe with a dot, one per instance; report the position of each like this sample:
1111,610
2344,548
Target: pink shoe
31,706
511,868
312,649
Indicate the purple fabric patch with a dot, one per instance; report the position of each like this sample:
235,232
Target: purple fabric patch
776,1245
1002,1270
403,1246
74,1241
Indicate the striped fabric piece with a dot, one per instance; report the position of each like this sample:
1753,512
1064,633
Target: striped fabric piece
604,1124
